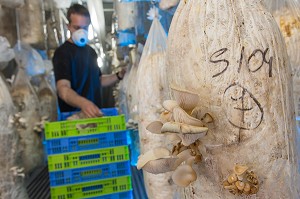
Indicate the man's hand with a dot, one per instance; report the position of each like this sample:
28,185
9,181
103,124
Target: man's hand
67,94
90,109
122,72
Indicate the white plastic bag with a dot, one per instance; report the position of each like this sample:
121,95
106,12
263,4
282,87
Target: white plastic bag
232,54
6,53
29,59
152,90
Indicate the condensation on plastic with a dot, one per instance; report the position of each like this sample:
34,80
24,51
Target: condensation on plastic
6,53
12,3
30,59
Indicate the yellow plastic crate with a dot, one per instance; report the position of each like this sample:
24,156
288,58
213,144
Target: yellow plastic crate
54,130
92,189
87,158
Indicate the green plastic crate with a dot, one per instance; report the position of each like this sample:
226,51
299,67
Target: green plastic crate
87,158
83,127
92,189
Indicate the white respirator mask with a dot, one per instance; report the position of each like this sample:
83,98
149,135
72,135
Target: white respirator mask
80,37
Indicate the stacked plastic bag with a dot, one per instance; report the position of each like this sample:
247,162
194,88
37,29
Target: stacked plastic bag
232,54
152,90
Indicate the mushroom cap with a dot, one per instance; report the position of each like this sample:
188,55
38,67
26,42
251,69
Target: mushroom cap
176,127
186,99
190,138
207,118
240,169
173,138
161,165
155,127
184,175
166,116
169,105
154,154
181,116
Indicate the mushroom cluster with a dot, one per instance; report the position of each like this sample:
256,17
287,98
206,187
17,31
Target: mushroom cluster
183,124
242,181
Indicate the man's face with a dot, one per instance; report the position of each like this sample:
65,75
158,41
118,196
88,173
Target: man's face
78,22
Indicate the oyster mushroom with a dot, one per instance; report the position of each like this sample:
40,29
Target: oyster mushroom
240,185
169,105
188,134
232,178
162,165
186,99
166,116
156,153
155,127
207,118
173,138
240,169
181,116
181,128
184,174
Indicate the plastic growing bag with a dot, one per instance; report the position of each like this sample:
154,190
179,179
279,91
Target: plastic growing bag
10,186
232,55
30,59
152,90
6,53
27,104
127,14
287,16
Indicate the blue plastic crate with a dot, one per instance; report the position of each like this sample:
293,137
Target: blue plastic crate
82,143
121,195
86,174
106,112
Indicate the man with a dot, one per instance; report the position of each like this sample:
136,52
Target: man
78,77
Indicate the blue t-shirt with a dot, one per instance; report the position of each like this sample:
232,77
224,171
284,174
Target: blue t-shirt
79,66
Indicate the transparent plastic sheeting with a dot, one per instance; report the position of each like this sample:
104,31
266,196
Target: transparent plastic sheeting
6,53
152,91
29,59
225,51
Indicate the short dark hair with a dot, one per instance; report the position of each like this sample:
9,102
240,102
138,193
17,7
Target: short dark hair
77,9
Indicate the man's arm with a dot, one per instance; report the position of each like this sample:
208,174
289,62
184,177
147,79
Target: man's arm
67,94
108,80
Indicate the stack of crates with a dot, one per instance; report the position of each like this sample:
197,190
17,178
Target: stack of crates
88,158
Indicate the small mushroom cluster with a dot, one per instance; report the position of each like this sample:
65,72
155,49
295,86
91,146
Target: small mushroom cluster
18,121
18,171
39,127
242,181
183,124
